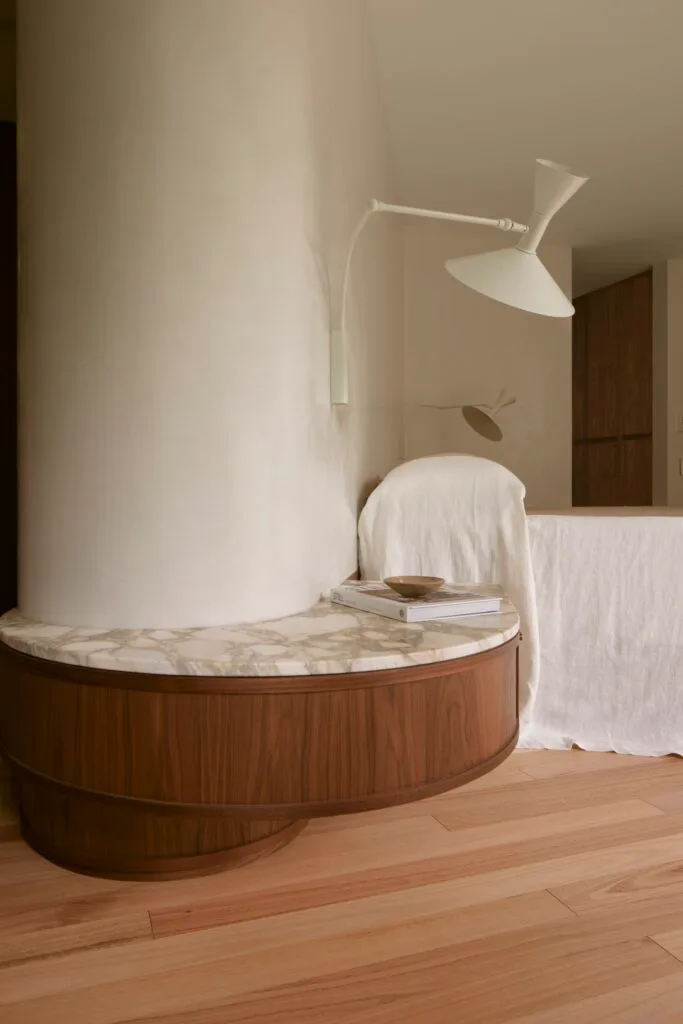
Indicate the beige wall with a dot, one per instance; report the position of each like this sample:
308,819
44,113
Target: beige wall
461,347
190,176
668,383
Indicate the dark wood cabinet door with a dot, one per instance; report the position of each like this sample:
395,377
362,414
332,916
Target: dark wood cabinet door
580,478
603,468
636,456
633,316
579,396
601,367
612,394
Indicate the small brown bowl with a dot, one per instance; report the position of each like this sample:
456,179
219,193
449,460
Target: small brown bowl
414,586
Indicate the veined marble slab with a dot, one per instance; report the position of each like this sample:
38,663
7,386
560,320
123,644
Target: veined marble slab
327,639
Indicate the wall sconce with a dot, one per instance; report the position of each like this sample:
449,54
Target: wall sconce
481,418
513,276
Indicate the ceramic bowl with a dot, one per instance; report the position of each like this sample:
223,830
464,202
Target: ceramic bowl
414,586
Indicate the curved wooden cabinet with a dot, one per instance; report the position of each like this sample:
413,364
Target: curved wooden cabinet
130,775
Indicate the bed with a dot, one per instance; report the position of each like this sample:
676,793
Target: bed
600,595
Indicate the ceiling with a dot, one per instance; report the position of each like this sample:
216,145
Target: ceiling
475,91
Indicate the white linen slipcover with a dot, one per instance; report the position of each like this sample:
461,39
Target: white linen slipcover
599,593
609,590
463,518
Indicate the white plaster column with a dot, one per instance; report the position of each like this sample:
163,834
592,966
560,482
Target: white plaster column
169,297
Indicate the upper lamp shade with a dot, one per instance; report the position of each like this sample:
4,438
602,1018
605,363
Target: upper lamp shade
516,276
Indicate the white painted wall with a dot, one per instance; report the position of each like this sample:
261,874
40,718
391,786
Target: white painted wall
189,177
667,313
461,347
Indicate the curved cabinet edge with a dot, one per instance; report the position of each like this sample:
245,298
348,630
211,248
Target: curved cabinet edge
245,812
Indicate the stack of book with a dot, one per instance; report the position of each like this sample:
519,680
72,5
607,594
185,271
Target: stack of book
449,601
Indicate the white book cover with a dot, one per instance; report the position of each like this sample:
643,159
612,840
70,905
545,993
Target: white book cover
449,601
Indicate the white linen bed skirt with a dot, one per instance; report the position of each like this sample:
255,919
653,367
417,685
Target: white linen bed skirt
609,595
600,594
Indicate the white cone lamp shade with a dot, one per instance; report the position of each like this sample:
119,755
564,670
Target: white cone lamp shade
516,276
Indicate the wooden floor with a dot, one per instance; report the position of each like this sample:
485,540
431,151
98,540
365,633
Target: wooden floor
549,892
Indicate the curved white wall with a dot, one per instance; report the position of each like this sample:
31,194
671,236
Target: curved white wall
181,199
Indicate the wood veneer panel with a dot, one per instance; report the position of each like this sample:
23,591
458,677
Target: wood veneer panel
601,383
603,467
612,395
637,471
633,324
579,368
104,764
304,753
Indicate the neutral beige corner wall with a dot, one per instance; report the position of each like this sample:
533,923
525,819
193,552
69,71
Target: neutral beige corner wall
461,347
667,383
190,177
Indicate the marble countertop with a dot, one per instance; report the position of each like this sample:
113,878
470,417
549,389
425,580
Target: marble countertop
327,639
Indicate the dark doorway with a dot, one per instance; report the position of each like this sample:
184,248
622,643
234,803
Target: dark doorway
8,366
612,394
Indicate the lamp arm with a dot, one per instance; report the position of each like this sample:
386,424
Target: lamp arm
339,371
347,266
339,350
503,224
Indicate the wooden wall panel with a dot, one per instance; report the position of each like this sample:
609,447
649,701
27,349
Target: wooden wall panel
612,395
579,368
602,366
633,322
102,760
580,476
603,465
637,456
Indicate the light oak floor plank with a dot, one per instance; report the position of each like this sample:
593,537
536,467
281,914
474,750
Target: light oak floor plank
549,892
302,895
549,764
59,927
239,959
495,980
665,799
651,1002
648,892
671,941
